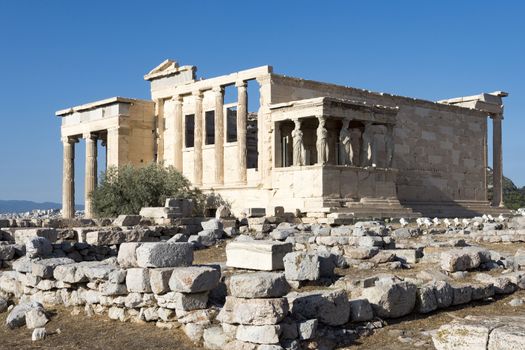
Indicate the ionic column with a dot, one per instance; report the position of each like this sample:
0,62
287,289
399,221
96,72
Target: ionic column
91,173
68,178
497,159
159,113
197,150
177,162
242,115
219,135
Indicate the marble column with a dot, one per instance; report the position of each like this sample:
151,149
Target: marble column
90,182
177,161
159,113
219,135
366,145
242,115
197,149
68,178
497,159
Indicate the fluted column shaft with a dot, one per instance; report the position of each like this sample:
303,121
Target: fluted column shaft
68,179
197,150
497,159
242,116
219,135
90,182
177,162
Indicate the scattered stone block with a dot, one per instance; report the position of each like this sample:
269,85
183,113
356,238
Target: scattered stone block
267,334
137,280
44,268
259,285
127,255
360,310
462,294
127,220
17,316
164,254
257,255
426,299
391,300
253,311
329,307
301,266
38,334
36,318
159,279
38,247
194,279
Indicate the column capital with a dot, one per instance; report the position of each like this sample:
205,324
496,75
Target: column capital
218,90
69,139
197,94
177,99
241,84
89,136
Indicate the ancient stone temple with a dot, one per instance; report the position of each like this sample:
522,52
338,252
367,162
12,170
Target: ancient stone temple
330,151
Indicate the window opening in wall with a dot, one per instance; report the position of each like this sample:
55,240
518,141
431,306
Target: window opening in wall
231,124
190,130
210,128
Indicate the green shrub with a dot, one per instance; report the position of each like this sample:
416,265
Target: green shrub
125,190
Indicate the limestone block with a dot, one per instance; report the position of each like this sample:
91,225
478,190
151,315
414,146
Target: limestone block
71,273
301,266
212,224
255,212
36,318
38,334
511,337
463,259
38,247
361,252
456,336
109,288
369,241
391,300
159,279
253,311
307,329
127,255
7,252
259,285
360,310
17,316
137,280
462,294
182,301
257,255
24,235
163,254
444,294
44,268
194,279
329,307
268,334
215,338
426,299
127,220
106,237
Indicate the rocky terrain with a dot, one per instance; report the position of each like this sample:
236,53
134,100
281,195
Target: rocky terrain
267,282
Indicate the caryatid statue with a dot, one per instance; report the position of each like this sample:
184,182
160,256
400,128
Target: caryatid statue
322,142
299,152
366,142
346,151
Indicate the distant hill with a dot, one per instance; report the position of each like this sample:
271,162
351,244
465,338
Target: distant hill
19,206
513,196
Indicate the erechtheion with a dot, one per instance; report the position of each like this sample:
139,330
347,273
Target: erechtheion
327,150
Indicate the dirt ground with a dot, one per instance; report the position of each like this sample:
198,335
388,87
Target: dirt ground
97,332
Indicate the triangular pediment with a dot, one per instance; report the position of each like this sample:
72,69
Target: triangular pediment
166,65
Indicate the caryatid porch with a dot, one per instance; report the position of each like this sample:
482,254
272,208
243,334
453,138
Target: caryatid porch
342,152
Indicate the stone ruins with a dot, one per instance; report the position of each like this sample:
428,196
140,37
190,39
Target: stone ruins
271,282
329,151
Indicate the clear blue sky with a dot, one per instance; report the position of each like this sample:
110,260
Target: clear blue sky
56,54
